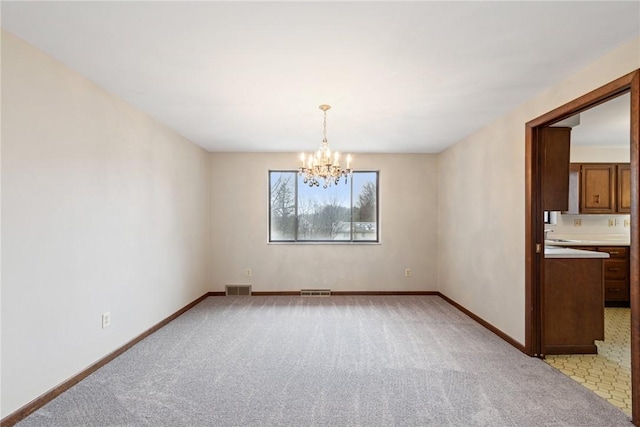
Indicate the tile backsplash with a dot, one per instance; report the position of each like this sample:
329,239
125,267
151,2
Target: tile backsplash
591,224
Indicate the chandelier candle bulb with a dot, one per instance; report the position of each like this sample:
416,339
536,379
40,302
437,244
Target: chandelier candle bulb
323,165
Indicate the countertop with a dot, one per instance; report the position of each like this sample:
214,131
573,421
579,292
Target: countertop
556,244
562,252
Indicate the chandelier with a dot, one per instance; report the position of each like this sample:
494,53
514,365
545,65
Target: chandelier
323,165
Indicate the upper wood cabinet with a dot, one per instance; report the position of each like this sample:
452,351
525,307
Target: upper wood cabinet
599,188
555,169
574,189
624,188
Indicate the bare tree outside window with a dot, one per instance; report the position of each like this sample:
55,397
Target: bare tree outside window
342,212
283,207
365,222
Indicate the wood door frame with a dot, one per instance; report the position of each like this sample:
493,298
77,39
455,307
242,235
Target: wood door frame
534,226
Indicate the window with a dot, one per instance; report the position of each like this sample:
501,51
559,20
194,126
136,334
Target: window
340,213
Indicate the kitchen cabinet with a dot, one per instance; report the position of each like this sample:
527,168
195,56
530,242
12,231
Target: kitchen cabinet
556,143
573,305
574,189
624,188
616,274
599,188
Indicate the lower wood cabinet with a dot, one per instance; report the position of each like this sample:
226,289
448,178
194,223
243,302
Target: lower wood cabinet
573,305
616,274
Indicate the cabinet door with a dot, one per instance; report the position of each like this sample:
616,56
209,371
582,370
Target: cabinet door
624,188
573,296
597,192
616,275
616,290
615,269
574,189
619,252
555,169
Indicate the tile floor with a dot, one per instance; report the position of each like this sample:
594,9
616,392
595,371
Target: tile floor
607,373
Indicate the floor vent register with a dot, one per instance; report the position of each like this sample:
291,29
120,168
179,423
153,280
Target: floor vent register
235,290
315,292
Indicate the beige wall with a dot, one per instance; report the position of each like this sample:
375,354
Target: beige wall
482,205
587,154
408,212
103,210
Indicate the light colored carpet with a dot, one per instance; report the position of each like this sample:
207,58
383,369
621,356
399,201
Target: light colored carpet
339,361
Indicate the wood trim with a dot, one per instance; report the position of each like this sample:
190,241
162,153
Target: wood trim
533,199
276,293
398,293
45,398
484,323
534,265
634,279
215,294
342,293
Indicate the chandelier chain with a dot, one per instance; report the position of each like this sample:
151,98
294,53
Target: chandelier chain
324,133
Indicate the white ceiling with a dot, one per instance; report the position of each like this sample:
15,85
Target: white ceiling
405,77
607,124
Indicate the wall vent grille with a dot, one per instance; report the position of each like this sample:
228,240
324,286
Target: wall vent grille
315,292
234,290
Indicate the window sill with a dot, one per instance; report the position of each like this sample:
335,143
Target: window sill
325,243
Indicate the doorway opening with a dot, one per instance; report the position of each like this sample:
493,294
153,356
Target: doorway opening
598,139
534,222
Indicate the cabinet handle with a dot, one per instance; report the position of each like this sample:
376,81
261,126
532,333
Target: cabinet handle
596,198
613,269
614,252
614,289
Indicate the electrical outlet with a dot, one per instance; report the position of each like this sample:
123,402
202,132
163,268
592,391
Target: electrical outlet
106,319
611,222
247,272
626,223
577,222
617,222
407,272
